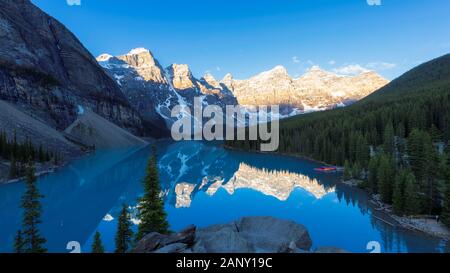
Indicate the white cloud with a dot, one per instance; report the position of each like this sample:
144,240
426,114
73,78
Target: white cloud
310,62
380,66
351,70
74,2
295,60
356,69
218,68
332,62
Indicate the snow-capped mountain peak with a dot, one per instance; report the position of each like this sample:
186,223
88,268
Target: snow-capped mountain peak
315,68
154,90
137,51
180,76
227,78
209,78
276,72
104,57
279,69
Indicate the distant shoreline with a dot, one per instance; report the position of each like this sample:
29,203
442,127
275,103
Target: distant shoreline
402,221
46,170
282,154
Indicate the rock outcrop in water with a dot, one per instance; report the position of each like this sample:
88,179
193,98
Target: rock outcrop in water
246,235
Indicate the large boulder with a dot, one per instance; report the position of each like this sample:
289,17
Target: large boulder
173,248
253,234
330,249
221,238
246,235
155,241
268,233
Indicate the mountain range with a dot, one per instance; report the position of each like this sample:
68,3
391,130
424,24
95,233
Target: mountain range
154,90
51,79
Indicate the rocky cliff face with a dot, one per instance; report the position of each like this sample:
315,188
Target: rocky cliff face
315,90
154,91
47,72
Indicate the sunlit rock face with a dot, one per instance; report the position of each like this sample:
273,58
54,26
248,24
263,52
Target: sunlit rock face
183,193
145,64
180,76
278,184
268,88
315,90
154,91
323,89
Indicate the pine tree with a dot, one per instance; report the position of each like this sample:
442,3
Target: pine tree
18,243
416,153
446,208
386,176
3,144
97,245
356,171
372,176
41,154
388,145
55,159
32,240
347,171
411,201
151,207
15,145
124,232
13,171
398,195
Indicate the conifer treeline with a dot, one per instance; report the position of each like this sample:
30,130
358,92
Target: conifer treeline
393,140
20,153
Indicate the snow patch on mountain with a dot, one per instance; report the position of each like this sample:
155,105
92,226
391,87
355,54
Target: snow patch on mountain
138,50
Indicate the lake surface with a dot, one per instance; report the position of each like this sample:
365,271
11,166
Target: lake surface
204,184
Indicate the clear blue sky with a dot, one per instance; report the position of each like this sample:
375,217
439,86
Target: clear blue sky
248,36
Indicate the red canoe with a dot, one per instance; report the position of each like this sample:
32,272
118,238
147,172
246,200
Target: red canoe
326,169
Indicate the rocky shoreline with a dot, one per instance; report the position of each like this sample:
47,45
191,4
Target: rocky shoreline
246,235
426,224
45,169
41,169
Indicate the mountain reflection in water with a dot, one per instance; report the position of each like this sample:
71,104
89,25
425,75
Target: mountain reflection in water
278,184
204,184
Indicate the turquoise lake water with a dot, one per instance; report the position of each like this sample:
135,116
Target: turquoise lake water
204,184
